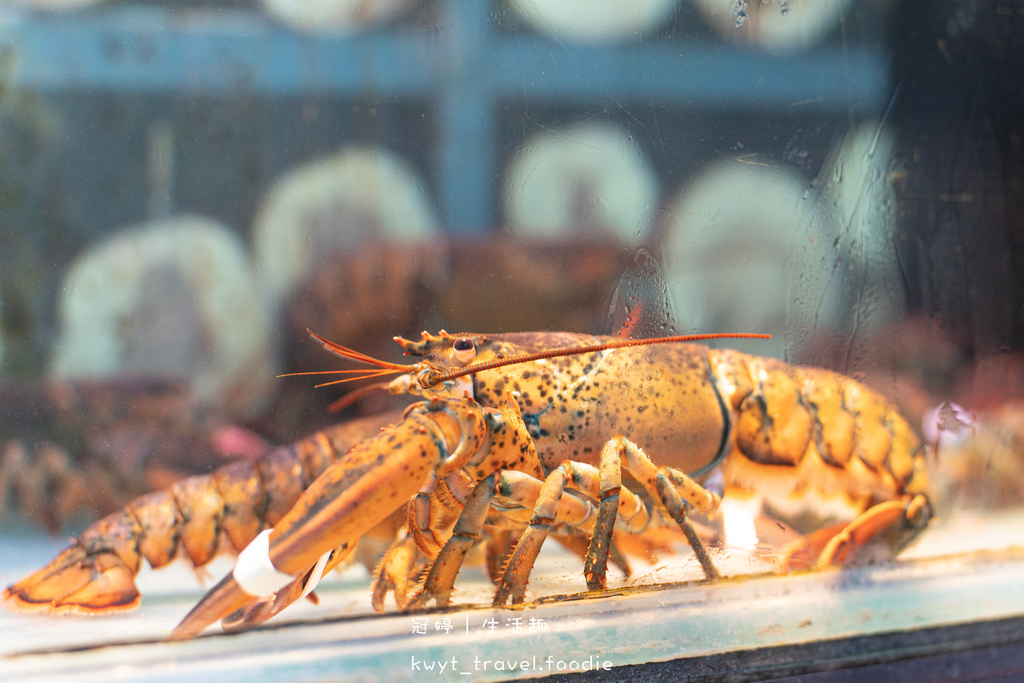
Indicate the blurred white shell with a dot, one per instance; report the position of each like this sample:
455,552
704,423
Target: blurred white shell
588,180
332,204
593,21
336,17
727,238
756,248
171,298
778,26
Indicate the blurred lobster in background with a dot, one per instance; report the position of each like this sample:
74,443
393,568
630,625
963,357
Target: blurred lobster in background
74,451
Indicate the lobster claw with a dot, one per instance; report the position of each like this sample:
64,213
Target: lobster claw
354,494
262,609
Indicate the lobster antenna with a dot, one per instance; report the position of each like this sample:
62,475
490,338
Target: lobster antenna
356,394
359,374
351,354
617,344
366,375
333,372
386,368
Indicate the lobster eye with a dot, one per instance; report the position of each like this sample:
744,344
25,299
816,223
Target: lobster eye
465,350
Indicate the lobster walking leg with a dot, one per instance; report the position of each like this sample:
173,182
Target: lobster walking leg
400,563
665,484
579,543
838,544
553,506
439,581
501,541
523,491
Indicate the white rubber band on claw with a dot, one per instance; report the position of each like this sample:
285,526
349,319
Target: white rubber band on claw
316,574
255,573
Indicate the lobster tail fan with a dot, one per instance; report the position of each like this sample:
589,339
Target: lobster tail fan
75,582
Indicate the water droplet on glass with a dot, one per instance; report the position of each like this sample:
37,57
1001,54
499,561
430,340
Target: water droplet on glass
739,10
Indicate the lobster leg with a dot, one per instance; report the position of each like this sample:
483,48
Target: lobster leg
573,539
579,543
665,484
500,544
431,516
402,561
839,544
439,582
518,487
552,506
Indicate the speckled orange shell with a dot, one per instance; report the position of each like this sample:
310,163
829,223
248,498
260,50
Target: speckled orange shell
787,429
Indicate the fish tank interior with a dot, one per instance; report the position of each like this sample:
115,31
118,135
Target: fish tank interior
189,187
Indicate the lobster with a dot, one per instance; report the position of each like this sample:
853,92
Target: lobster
77,451
511,422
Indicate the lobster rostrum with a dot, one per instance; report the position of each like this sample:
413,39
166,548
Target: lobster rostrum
513,420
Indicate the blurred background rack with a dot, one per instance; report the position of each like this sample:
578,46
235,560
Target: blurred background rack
460,72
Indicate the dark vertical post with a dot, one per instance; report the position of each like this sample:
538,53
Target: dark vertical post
958,112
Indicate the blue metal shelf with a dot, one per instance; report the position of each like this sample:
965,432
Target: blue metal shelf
242,52
464,69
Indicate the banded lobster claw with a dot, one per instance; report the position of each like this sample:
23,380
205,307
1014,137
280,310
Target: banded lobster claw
354,494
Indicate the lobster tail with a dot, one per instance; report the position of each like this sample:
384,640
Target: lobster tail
96,573
76,582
